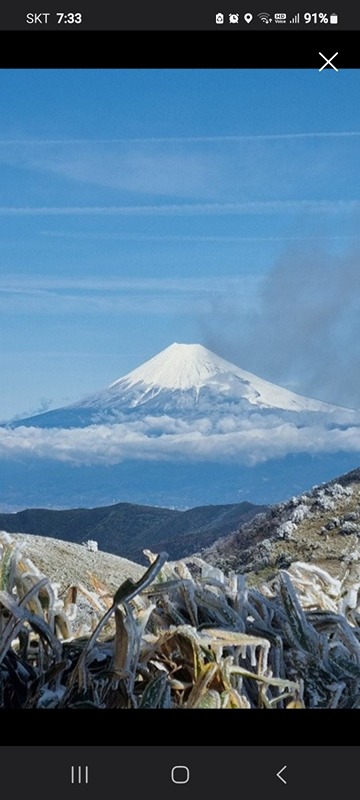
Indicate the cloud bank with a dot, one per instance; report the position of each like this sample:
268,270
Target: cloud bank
247,442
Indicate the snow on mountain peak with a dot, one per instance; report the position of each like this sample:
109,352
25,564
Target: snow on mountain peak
179,366
192,367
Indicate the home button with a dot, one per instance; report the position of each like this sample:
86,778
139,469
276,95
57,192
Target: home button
180,774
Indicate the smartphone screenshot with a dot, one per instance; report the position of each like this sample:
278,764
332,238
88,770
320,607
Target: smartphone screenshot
180,403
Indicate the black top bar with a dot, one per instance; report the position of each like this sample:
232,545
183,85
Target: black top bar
178,50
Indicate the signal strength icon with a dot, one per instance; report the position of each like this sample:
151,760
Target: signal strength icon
265,17
295,20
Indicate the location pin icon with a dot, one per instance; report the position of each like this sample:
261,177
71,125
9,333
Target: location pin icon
248,17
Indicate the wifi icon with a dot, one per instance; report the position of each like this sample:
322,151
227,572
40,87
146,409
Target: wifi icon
265,17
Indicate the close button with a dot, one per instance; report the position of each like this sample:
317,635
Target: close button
328,62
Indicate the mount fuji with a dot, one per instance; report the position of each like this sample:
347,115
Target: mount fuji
187,381
186,428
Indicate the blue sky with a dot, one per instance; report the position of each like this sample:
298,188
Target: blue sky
140,208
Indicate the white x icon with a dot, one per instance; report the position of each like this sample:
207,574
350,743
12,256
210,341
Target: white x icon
328,61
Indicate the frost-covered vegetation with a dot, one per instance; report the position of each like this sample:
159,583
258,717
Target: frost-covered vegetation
321,527
91,545
183,635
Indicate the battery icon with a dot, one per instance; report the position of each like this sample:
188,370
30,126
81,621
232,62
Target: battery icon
334,19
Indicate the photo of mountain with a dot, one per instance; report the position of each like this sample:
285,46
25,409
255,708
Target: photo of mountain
180,401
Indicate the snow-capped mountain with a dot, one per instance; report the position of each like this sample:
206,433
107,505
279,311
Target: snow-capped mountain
184,429
187,380
187,372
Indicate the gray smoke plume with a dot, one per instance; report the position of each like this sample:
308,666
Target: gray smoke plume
305,333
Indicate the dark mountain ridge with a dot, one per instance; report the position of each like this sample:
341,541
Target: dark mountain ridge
126,529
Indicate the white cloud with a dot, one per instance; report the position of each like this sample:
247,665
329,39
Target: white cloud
157,296
53,303
207,283
167,438
192,209
134,237
227,169
184,139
